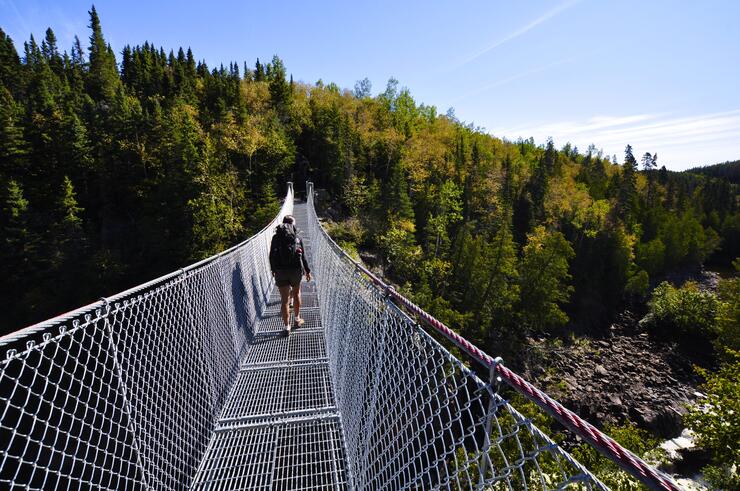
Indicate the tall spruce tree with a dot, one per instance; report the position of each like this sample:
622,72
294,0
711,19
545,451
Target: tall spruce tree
102,78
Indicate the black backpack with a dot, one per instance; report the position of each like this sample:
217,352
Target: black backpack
286,248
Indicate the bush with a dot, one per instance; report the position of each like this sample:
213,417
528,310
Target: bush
402,255
348,231
716,422
686,310
728,315
639,441
651,256
638,283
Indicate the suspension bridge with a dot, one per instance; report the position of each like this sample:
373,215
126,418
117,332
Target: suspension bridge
185,382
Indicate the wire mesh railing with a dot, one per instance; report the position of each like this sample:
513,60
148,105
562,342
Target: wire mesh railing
124,393
414,416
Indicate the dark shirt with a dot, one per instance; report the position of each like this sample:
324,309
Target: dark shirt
304,262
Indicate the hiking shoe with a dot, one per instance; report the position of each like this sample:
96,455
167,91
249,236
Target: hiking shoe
299,322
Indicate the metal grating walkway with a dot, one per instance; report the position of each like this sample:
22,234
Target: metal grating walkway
279,428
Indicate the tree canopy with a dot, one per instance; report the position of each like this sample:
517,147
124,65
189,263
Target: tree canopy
115,169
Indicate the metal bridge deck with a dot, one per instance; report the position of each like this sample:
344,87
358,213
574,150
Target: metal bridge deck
279,428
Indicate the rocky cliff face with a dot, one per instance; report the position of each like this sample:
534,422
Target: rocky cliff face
625,375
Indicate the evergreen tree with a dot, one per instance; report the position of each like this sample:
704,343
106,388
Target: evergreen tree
51,53
17,254
627,186
259,72
12,143
102,78
11,72
280,89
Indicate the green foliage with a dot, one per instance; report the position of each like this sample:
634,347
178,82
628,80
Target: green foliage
716,423
280,90
268,206
638,283
401,253
102,78
363,88
68,202
355,195
651,256
638,441
159,160
446,212
728,313
684,310
543,277
348,231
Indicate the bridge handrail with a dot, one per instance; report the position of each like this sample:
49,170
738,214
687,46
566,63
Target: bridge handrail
606,445
124,393
45,325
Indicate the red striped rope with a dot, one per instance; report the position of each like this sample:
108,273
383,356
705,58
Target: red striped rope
628,461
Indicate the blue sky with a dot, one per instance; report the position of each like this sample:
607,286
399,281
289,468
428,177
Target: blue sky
663,76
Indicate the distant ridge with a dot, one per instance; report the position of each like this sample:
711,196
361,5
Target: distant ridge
727,170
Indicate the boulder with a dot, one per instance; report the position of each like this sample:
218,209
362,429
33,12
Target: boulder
370,258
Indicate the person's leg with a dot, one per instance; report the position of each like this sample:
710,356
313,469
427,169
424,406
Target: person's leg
296,292
284,310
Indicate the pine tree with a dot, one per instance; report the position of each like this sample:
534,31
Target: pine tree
11,72
259,72
649,162
280,89
549,162
102,78
501,292
51,53
70,210
627,186
399,204
12,144
18,261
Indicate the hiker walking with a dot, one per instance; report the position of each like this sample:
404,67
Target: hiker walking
288,264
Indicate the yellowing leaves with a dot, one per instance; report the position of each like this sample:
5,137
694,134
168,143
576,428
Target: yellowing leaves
426,153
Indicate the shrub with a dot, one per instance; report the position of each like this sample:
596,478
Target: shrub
728,314
629,436
686,310
651,256
347,231
716,422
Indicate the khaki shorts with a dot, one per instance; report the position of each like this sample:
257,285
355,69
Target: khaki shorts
285,277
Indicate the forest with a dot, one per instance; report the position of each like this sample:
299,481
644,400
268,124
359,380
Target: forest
116,168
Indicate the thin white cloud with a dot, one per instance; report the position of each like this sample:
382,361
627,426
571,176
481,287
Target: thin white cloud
19,17
512,78
680,142
519,32
68,28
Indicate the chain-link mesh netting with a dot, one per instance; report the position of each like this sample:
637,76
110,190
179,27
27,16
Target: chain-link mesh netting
414,416
124,393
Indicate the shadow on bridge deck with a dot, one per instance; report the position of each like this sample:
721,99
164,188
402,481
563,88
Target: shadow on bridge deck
280,428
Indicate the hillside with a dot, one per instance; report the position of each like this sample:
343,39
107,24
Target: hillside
729,171
114,170
115,173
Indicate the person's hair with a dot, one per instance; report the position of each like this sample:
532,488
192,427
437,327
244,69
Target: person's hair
289,219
